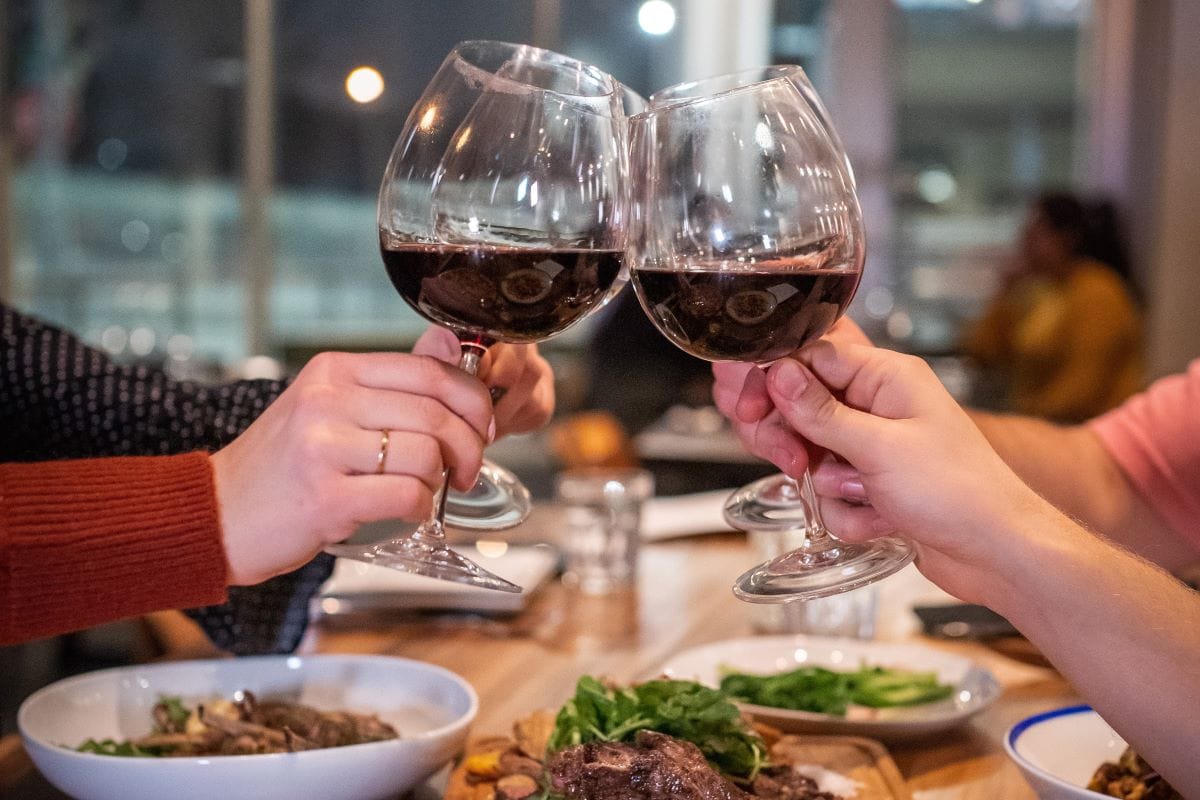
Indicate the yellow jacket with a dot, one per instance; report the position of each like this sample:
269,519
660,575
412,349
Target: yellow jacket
1069,349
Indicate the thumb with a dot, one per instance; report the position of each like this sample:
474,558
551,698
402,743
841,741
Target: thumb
809,407
440,343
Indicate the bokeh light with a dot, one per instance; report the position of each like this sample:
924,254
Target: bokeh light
656,17
364,84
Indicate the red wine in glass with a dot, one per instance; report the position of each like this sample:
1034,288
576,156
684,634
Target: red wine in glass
758,315
491,294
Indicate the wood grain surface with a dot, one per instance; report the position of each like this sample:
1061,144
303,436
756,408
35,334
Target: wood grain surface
682,599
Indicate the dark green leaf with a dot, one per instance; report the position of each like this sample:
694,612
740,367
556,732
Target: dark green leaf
177,712
825,691
683,709
111,747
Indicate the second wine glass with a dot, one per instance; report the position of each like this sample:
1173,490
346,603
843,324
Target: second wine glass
501,217
746,244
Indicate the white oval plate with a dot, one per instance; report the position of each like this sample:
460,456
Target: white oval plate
975,687
431,707
1059,751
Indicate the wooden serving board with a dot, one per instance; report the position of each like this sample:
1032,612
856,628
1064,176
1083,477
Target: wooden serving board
863,760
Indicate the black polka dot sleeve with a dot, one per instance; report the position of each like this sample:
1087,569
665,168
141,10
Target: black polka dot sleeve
60,398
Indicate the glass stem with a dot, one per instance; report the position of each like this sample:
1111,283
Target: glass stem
434,528
820,548
816,526
471,355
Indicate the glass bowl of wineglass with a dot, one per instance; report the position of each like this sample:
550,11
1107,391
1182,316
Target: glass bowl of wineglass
501,217
690,90
745,244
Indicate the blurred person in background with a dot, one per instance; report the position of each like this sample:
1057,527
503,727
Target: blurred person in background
111,505
1064,335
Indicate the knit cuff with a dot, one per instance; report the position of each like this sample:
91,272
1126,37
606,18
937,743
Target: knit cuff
89,541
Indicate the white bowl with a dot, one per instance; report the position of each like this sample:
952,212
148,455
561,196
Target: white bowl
1059,751
432,708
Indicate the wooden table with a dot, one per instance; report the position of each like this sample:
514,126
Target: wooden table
682,599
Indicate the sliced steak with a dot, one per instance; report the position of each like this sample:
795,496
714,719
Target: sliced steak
785,783
654,767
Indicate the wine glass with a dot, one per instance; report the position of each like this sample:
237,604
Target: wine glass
776,503
501,217
745,244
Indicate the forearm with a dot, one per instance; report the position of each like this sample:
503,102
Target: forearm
144,412
85,542
1068,466
1124,633
60,398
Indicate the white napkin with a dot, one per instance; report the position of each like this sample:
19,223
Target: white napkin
362,585
684,515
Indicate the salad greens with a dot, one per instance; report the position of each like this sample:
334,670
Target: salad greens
111,747
177,712
683,709
829,691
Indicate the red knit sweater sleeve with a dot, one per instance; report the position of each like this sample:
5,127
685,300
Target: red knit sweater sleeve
94,540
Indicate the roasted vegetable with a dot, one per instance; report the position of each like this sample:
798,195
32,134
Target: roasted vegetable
1131,778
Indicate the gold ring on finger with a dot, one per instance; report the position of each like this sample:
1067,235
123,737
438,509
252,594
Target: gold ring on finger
381,459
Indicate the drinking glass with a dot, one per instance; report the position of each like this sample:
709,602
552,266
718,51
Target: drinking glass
501,217
745,244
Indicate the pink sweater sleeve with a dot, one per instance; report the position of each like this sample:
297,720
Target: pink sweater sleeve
1155,439
95,540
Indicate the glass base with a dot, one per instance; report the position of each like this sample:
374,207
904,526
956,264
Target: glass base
496,502
773,503
420,556
826,567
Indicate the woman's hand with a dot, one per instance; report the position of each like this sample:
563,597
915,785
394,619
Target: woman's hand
515,373
307,472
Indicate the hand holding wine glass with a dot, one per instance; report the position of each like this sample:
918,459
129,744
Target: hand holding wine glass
501,218
746,244
519,378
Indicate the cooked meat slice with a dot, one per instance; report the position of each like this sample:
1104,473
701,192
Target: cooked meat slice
236,727
785,783
322,729
654,767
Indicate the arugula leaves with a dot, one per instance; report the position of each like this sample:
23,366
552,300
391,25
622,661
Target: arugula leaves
177,712
683,709
111,747
828,691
